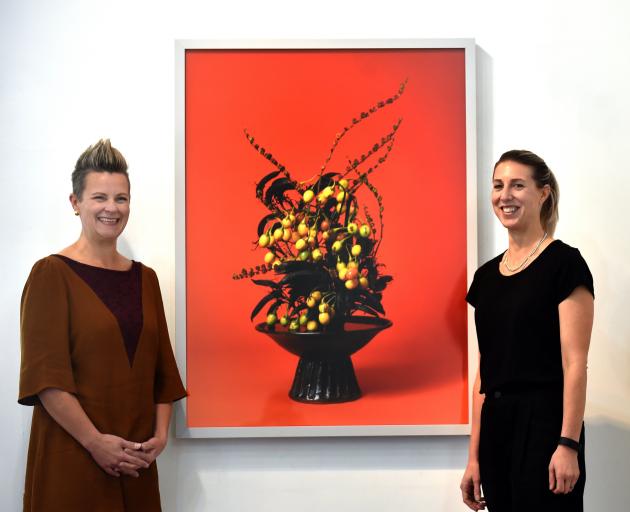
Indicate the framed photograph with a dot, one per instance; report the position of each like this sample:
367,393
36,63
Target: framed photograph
352,145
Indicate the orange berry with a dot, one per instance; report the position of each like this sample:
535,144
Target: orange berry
352,273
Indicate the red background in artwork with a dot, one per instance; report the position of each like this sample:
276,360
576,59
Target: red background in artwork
294,102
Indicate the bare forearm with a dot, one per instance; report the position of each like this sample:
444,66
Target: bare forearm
574,400
162,420
477,402
66,410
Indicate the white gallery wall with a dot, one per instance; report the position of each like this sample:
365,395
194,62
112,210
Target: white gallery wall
552,77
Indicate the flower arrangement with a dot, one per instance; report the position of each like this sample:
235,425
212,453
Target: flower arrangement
318,240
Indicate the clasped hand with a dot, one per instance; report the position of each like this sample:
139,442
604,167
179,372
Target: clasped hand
117,456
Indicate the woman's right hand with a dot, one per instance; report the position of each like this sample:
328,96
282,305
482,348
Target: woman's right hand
109,453
471,487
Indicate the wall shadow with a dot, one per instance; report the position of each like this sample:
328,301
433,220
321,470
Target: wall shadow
607,466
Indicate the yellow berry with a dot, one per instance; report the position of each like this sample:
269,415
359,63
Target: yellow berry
343,183
300,244
352,228
311,326
336,246
356,250
351,284
324,318
363,281
365,231
271,319
317,255
308,196
302,229
263,241
303,319
269,257
311,302
317,295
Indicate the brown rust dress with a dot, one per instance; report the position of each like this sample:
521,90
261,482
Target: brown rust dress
72,341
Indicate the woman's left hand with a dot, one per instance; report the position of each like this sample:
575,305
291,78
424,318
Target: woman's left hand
563,470
150,449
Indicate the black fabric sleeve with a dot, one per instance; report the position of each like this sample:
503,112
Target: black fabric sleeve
471,296
574,272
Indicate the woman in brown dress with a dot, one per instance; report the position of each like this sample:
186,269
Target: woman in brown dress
97,363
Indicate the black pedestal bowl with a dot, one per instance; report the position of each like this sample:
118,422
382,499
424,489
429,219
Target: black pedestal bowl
324,373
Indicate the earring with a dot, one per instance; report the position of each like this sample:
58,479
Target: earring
76,213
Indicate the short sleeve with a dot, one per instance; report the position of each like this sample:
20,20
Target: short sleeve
573,273
471,296
168,385
44,332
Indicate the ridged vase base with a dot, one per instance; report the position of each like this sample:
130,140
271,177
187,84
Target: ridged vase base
326,381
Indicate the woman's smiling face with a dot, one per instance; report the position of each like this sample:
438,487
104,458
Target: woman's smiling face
516,199
104,205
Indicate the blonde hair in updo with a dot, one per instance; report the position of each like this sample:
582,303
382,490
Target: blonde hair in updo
542,175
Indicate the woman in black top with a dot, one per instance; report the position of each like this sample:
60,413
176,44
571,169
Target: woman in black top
534,314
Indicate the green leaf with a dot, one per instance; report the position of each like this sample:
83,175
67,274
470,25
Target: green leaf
266,282
277,189
261,304
264,221
371,300
261,184
366,309
381,283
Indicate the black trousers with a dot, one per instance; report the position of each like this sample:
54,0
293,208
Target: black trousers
519,434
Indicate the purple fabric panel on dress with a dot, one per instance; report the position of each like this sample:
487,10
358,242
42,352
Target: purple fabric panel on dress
121,292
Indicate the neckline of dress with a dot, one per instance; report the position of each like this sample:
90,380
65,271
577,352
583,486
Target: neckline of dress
133,264
498,267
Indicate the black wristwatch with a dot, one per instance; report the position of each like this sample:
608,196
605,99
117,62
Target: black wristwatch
569,443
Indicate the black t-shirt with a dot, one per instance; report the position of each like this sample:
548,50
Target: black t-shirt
518,326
